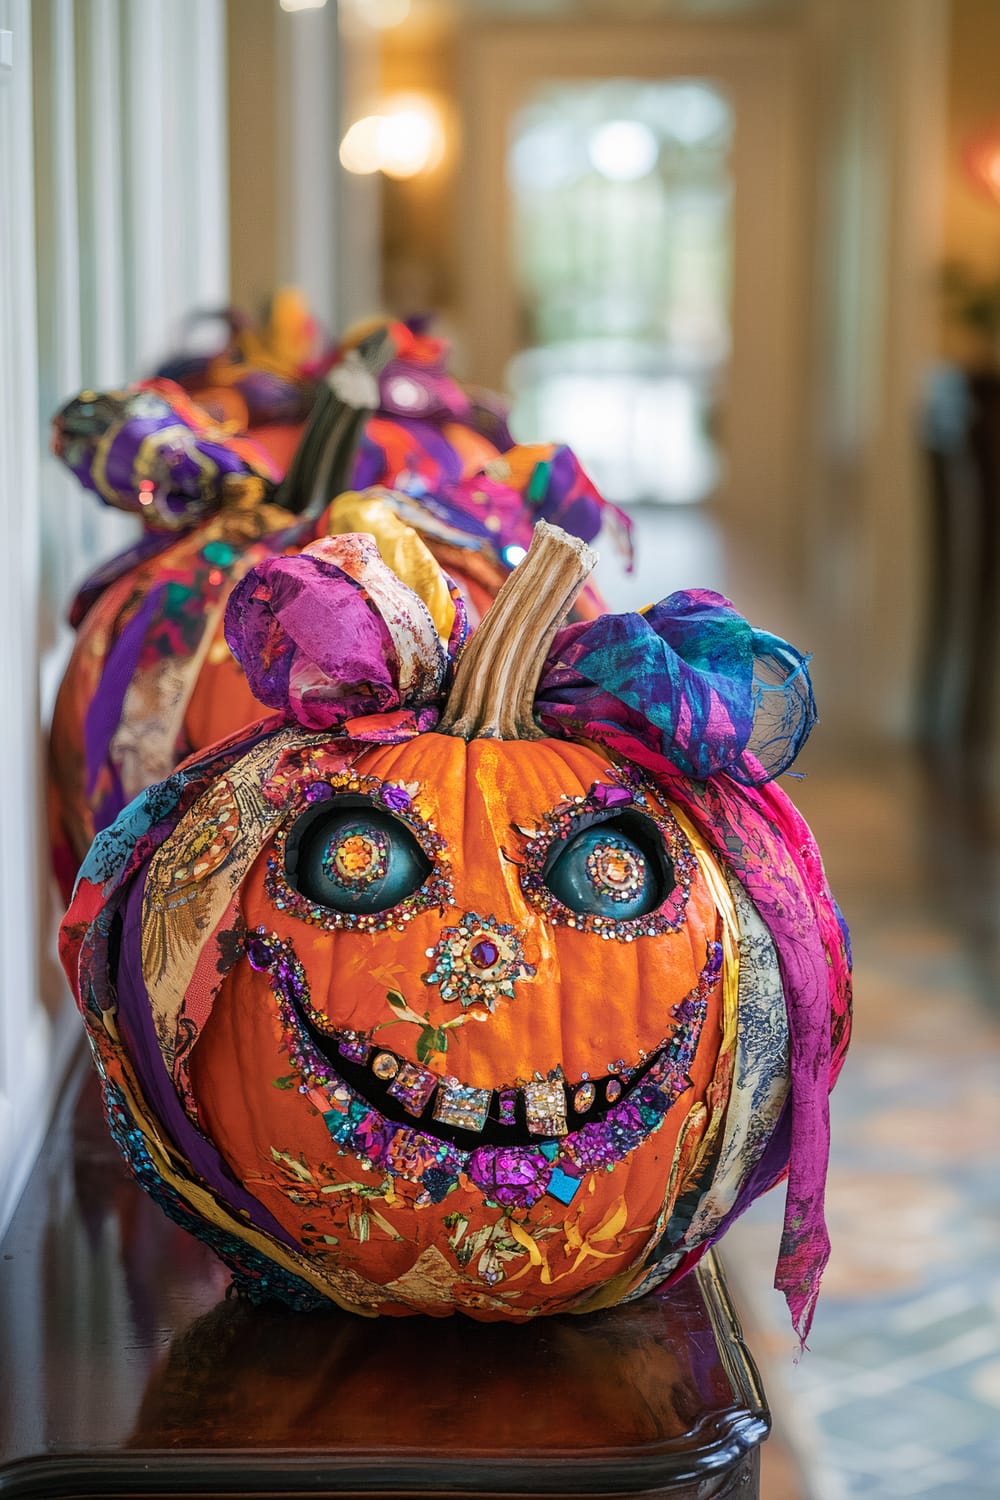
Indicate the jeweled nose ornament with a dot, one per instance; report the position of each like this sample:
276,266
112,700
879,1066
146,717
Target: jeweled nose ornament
477,962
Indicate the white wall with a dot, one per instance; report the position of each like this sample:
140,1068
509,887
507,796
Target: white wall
113,225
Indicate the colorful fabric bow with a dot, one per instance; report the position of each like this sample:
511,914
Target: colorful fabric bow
334,634
152,451
689,679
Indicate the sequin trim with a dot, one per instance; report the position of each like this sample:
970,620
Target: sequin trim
255,1277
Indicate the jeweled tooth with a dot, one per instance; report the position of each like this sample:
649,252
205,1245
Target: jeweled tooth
385,1066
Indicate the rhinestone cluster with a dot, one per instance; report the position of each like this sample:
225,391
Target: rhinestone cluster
477,961
615,869
356,860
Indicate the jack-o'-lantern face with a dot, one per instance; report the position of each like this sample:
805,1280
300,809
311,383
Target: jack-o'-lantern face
476,980
403,1004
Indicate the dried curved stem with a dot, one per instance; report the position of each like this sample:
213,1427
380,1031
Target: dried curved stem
494,690
321,467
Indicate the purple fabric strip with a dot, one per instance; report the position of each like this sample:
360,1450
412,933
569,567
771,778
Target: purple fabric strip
136,1021
104,713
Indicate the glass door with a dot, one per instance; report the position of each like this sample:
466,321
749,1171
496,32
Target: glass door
621,252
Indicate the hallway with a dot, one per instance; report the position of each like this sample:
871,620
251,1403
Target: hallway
899,1393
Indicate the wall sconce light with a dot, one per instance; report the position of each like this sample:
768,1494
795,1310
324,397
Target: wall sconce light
981,157
405,138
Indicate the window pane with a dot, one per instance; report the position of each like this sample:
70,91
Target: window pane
621,210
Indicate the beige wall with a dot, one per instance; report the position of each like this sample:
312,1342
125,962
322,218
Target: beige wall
971,219
252,153
296,217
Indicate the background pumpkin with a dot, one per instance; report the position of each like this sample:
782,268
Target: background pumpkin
263,378
150,678
514,1144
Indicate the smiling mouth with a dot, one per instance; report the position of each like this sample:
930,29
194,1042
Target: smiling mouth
546,1108
386,1092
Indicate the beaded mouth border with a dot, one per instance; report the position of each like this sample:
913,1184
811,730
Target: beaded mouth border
393,797
527,1148
602,804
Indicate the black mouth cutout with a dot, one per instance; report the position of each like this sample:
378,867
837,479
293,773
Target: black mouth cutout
510,1115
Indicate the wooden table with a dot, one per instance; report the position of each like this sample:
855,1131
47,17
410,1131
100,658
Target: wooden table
126,1371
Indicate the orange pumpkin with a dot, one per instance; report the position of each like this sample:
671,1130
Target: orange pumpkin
151,679
424,1011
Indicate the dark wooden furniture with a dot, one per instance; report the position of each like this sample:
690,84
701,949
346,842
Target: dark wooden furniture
960,705
126,1371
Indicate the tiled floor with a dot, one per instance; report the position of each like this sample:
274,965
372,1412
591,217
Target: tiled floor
899,1393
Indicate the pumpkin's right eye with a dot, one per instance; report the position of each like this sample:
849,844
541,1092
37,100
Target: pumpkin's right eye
612,869
352,859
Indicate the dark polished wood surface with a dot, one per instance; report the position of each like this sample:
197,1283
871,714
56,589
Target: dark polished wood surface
126,1371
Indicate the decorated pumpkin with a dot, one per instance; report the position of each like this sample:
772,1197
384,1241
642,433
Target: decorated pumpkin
150,678
264,378
490,975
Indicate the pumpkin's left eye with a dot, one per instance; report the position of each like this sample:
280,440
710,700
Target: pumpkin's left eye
352,859
615,869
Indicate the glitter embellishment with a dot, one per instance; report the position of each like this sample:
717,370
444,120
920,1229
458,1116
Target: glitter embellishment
477,961
356,1046
461,1106
614,873
616,870
545,1103
357,860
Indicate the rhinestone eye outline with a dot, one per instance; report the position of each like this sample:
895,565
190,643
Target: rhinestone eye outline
574,816
351,790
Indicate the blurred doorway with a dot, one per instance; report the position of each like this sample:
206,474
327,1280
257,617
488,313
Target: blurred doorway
622,245
635,249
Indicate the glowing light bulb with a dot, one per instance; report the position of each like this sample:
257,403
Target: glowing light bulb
411,140
405,138
360,151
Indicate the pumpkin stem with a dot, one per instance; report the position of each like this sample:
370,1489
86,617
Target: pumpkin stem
321,467
494,689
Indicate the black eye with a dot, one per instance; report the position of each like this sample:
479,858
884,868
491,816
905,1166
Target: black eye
617,868
353,859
